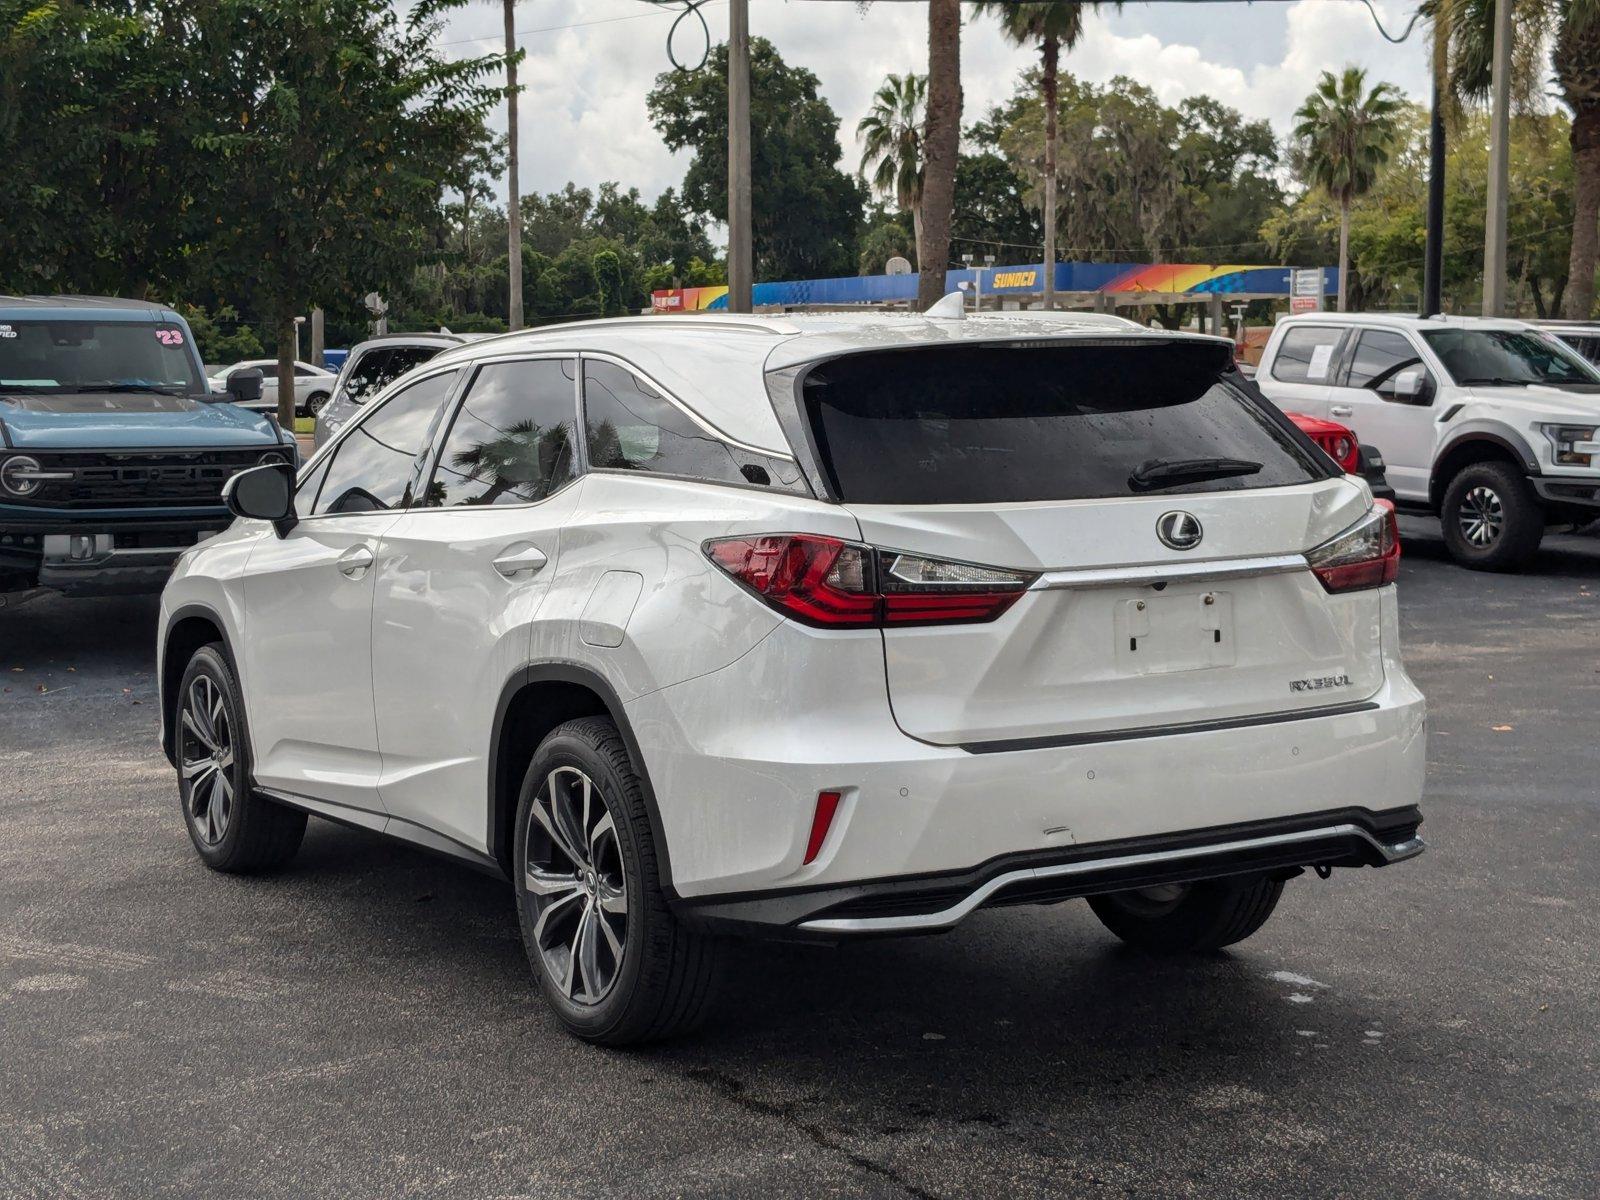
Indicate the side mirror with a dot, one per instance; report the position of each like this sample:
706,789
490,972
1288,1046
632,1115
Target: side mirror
245,385
263,494
1411,387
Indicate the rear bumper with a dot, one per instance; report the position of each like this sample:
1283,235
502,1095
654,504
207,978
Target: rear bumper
1349,837
736,759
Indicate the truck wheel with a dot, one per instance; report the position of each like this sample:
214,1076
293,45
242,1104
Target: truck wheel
1492,519
232,828
614,963
1183,918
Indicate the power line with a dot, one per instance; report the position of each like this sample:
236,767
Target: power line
495,37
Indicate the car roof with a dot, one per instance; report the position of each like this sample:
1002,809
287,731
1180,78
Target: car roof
66,308
443,340
716,364
1404,321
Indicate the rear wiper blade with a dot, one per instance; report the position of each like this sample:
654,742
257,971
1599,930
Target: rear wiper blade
1162,472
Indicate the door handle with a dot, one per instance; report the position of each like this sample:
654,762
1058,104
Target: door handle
354,562
1341,410
513,562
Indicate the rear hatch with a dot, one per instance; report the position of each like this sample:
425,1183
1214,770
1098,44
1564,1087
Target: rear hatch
1068,462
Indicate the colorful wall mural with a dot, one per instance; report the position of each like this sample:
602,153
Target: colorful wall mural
1118,278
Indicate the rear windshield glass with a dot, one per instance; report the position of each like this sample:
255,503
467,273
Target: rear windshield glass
992,424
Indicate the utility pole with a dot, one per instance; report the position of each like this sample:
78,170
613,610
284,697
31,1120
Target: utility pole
741,265
319,341
1494,236
513,180
1433,252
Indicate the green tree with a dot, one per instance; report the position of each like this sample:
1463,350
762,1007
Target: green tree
806,210
891,140
1056,25
335,127
1345,132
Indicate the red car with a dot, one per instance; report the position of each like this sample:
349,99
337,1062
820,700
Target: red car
1341,444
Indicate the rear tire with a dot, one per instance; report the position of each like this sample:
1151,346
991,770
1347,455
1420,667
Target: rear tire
315,403
1187,918
613,962
233,829
1491,517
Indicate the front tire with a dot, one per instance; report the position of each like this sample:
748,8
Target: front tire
1491,518
613,962
315,403
1188,918
232,828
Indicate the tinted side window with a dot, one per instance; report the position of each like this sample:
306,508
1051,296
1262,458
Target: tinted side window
630,426
1379,357
371,467
511,440
1306,354
377,369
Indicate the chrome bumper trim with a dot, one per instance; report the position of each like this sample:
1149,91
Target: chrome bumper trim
1192,572
948,917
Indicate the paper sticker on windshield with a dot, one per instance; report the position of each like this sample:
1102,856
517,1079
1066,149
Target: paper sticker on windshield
1318,369
170,337
7,332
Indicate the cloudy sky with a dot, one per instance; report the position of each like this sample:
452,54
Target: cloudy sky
590,63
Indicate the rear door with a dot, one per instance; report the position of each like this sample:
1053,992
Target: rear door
1049,460
1401,427
1298,373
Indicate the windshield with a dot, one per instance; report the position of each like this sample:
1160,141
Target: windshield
997,424
78,356
1507,357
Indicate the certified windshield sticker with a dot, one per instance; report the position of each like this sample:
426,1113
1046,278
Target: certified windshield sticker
170,337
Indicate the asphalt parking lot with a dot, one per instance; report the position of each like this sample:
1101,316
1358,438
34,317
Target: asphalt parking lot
365,1024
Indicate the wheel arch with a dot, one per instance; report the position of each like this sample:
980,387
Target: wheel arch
536,699
1474,446
187,629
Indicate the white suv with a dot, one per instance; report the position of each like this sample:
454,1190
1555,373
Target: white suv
1489,424
812,627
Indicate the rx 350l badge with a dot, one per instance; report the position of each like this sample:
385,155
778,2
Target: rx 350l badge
1179,530
1319,682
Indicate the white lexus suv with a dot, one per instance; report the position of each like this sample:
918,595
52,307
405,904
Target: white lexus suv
813,627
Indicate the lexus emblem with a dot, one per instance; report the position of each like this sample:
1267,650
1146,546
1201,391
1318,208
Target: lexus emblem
1179,530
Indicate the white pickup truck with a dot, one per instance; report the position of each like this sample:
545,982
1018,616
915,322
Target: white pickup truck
1490,424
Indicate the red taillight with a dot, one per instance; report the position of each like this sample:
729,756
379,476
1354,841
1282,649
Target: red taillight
1366,555
827,805
1342,448
836,584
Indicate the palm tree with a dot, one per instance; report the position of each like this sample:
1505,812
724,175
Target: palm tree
891,138
1577,62
1056,25
941,147
1345,132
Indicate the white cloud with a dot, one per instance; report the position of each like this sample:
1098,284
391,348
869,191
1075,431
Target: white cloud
590,63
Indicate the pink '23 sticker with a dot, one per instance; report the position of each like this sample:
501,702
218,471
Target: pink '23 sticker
170,337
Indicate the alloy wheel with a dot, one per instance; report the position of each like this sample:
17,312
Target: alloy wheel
575,880
206,752
1480,516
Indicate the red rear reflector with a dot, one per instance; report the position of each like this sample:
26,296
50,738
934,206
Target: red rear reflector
827,805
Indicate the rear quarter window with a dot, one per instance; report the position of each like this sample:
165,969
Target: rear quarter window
998,424
1305,355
